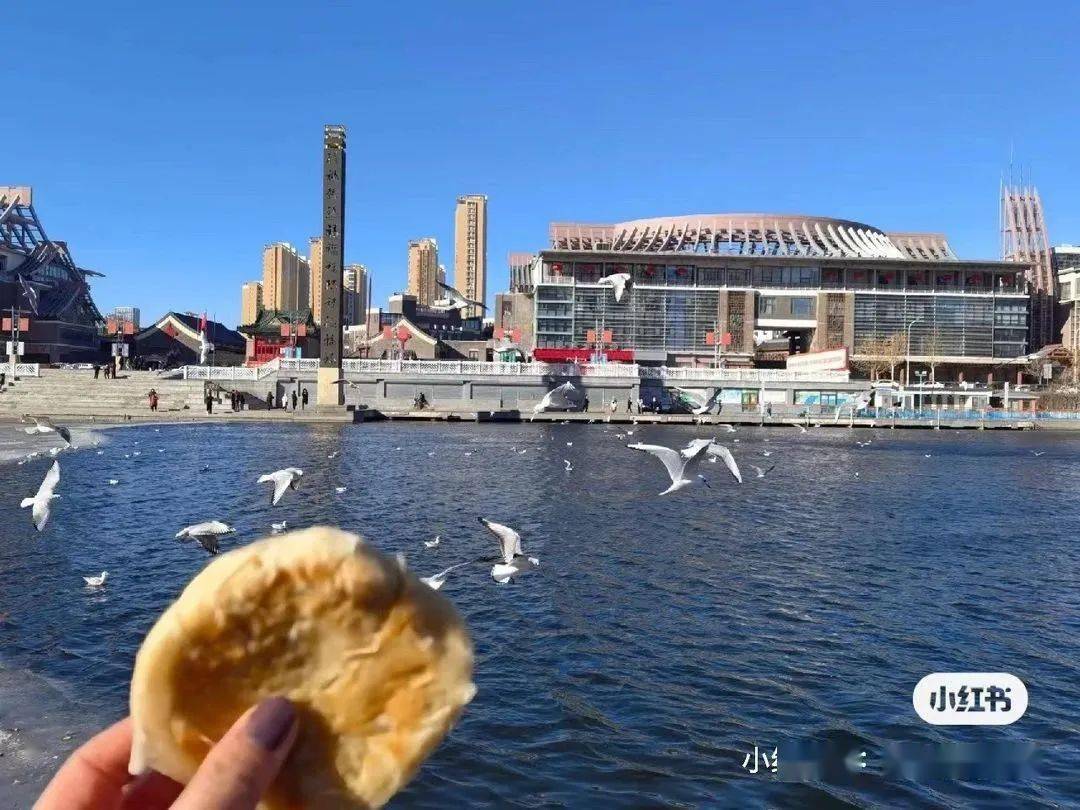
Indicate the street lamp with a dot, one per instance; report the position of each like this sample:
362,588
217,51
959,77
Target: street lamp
907,353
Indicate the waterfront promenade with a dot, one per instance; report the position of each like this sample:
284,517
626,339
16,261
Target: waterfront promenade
379,391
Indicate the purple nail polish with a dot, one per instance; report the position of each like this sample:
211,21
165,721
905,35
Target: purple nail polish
269,724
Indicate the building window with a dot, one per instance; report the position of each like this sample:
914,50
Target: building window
1066,289
766,307
802,307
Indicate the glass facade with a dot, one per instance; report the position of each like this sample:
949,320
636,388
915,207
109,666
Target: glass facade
672,307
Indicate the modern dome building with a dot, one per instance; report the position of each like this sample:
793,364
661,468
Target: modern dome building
704,285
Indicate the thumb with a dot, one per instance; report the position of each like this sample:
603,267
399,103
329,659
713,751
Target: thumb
240,768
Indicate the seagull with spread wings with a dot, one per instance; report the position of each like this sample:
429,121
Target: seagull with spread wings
675,461
206,533
40,502
619,283
454,300
43,424
282,480
511,561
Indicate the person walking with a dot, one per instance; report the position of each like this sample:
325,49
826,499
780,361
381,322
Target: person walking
269,400
97,370
243,400
209,401
303,399
294,401
153,397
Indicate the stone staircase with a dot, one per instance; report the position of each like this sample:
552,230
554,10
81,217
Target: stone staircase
61,392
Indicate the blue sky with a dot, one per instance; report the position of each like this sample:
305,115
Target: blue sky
168,145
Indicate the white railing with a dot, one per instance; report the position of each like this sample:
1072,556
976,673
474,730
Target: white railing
278,364
298,364
220,373
619,370
23,369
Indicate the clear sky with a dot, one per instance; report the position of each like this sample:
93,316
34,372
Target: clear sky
168,142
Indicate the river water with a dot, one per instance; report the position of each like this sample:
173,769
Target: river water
661,639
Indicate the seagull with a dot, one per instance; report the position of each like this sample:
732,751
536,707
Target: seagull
700,407
206,533
714,450
101,452
569,466
705,481
113,482
800,427
729,428
514,561
43,424
766,453
468,453
343,381
278,528
339,490
98,581
1037,453
454,300
430,453
760,472
334,454
618,282
629,433
55,451
675,462
433,543
137,453
205,467
569,444
436,581
549,398
926,455
522,452
40,502
282,480
860,403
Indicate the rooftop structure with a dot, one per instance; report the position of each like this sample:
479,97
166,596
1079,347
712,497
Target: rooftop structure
41,281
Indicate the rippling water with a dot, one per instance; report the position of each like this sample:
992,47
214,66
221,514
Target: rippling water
663,637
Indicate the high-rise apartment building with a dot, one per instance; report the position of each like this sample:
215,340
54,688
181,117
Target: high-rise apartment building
286,278
126,315
470,249
355,286
424,270
250,302
316,264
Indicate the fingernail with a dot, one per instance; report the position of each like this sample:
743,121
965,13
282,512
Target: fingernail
269,724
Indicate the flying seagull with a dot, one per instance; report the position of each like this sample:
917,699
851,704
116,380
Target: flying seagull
860,403
760,472
618,282
433,543
454,300
43,424
715,450
349,383
40,501
282,480
436,581
569,466
800,427
700,406
1037,453
674,461
98,581
206,533
512,557
549,399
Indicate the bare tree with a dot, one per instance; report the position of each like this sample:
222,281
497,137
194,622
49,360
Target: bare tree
869,358
894,350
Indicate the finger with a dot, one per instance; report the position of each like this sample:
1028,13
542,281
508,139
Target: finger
94,776
151,791
240,768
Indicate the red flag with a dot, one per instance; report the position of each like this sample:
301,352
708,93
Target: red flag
202,323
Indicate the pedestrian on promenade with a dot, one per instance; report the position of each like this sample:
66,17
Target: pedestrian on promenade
294,400
243,401
209,401
153,399
614,404
97,370
269,400
303,399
